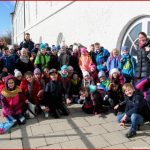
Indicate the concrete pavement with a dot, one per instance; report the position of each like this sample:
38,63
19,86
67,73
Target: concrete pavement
78,130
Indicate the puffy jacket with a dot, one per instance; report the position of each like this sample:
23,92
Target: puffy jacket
143,65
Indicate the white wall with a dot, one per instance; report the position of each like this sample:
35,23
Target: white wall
85,22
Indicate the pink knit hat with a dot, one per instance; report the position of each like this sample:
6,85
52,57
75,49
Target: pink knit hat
83,50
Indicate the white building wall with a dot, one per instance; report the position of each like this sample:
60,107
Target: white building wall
81,22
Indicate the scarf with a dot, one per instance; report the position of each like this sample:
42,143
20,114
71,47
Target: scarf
64,75
24,59
7,93
75,82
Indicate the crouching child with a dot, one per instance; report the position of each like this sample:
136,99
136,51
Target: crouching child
54,96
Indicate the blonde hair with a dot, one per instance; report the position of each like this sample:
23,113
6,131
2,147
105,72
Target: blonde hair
127,86
115,49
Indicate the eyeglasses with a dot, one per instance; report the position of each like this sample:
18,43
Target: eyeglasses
10,82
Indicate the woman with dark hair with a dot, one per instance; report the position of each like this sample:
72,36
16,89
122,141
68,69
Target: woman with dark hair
143,57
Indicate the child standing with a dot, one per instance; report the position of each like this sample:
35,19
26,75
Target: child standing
127,65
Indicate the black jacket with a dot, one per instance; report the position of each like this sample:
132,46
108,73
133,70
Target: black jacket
143,65
27,44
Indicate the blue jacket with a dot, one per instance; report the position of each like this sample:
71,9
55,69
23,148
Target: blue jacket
113,62
101,58
127,65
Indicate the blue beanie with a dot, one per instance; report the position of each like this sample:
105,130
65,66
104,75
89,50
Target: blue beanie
125,48
42,46
64,67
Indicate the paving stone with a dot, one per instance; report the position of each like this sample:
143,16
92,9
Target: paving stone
147,139
78,144
5,136
13,144
112,126
41,129
46,121
32,122
98,142
74,134
26,131
137,144
79,122
94,130
115,138
61,126
110,117
53,146
94,120
34,142
119,146
16,133
56,137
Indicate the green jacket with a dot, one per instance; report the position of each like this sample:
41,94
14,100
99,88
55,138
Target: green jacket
42,61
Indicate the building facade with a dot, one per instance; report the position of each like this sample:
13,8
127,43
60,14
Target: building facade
112,23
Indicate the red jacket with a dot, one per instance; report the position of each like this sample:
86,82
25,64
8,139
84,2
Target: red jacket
35,90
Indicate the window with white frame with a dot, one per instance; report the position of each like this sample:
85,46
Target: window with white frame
131,37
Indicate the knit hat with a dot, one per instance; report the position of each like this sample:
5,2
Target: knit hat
42,46
101,74
114,70
54,48
17,73
125,48
92,88
52,71
83,50
37,71
64,67
86,73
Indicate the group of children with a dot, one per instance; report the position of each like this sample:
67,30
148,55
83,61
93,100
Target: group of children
46,81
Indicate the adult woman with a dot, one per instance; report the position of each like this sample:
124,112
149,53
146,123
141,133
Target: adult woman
143,57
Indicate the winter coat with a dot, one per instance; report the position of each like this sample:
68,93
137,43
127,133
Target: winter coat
42,61
84,62
143,65
12,102
8,62
26,44
144,86
64,59
135,104
113,62
24,67
101,58
36,88
127,65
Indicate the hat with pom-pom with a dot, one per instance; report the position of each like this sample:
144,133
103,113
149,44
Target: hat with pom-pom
114,70
17,73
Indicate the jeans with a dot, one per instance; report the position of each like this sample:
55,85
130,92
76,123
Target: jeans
135,120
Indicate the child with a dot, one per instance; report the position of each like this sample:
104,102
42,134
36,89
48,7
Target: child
93,72
115,97
127,65
85,60
135,109
42,59
12,104
66,83
54,95
101,56
115,76
45,75
113,60
32,89
75,87
18,76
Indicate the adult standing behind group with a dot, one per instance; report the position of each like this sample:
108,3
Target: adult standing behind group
2,45
27,43
143,57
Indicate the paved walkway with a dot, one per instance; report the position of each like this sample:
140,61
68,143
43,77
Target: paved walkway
78,130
